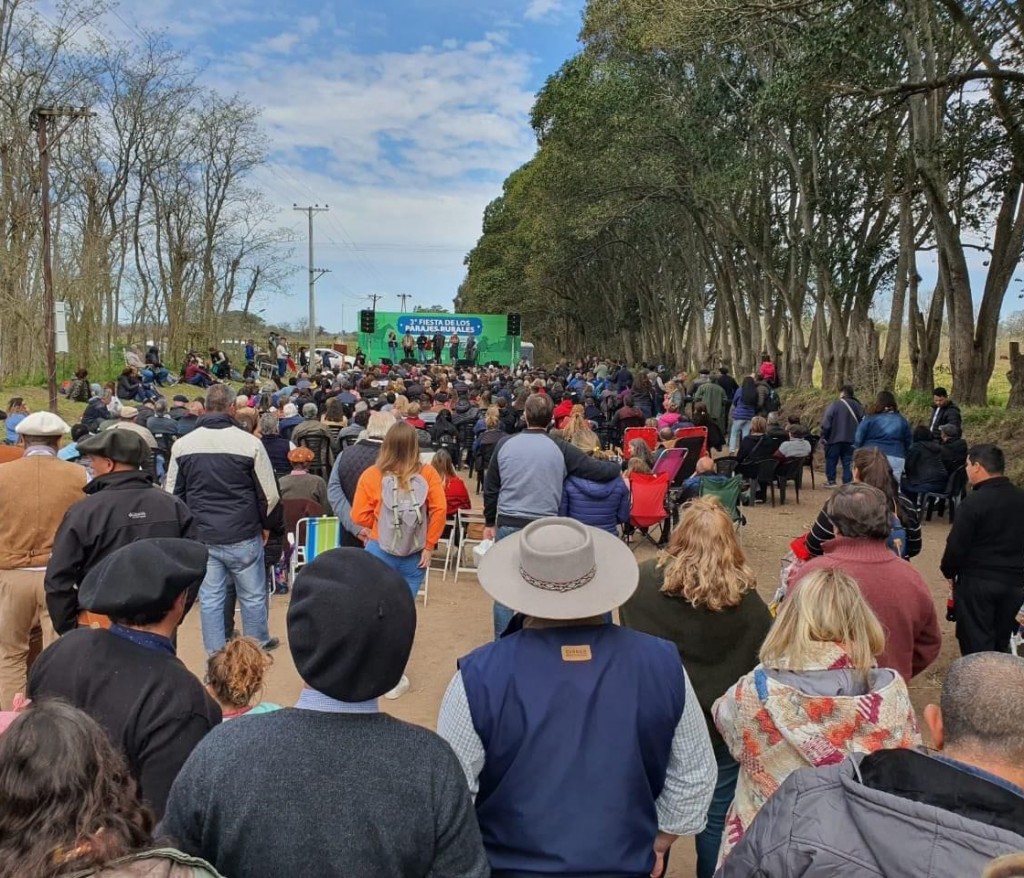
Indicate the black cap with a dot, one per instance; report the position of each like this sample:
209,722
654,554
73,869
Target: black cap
179,397
143,577
122,446
351,625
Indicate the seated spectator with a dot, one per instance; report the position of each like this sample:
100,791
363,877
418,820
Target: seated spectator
197,375
70,451
190,420
290,419
277,447
670,417
129,385
871,467
79,390
701,595
257,807
775,426
796,446
443,433
413,418
234,678
701,418
68,804
891,811
925,470
301,484
704,472
603,505
455,492
815,698
894,589
128,677
954,448
750,443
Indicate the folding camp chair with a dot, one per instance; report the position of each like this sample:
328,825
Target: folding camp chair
695,441
648,434
471,527
671,462
312,537
728,494
649,509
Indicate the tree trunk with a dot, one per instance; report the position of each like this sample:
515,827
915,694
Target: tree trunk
1016,377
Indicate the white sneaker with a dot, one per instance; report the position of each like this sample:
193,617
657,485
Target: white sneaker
399,690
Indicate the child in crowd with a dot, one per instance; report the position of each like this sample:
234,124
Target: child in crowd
234,677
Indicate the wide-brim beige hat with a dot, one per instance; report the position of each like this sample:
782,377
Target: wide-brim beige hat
557,568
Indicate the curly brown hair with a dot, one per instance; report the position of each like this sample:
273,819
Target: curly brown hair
235,672
67,800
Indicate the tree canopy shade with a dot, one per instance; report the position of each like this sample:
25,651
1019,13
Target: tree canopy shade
715,178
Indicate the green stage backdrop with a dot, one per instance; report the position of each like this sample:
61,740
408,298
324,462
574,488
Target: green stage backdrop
489,329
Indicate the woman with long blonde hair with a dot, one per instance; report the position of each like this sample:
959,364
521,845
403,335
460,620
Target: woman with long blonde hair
816,696
700,593
402,503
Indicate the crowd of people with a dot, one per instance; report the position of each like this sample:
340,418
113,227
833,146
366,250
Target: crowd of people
620,705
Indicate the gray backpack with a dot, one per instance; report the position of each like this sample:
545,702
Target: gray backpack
402,525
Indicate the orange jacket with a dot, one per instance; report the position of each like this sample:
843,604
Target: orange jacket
366,505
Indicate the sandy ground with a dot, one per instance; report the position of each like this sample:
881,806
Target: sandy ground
457,618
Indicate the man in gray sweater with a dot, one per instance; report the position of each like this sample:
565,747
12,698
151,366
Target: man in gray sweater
332,787
524,480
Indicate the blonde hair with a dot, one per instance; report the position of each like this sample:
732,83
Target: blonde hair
586,441
442,462
235,672
703,561
638,465
413,411
492,418
826,606
575,424
378,424
400,454
401,404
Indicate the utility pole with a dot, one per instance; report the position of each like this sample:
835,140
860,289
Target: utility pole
314,275
403,297
374,297
40,119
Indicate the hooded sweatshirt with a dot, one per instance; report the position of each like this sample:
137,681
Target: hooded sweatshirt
777,720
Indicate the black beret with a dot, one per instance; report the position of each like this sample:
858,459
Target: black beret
351,625
142,577
122,446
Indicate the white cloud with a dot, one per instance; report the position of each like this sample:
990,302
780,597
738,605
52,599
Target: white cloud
541,9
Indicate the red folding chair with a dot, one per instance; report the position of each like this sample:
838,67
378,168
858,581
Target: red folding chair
648,434
671,462
649,509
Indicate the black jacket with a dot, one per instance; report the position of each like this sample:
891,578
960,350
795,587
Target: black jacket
118,509
954,454
924,464
946,414
984,541
153,708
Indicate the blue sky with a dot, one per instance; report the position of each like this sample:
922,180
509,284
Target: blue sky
404,116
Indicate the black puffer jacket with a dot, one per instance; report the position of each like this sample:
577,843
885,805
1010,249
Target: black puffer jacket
118,509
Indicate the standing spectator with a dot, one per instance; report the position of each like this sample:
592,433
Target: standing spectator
323,804
744,409
348,468
421,347
603,505
728,384
713,396
282,357
570,709
250,356
890,812
61,774
893,588
437,343
225,478
925,471
886,429
766,371
871,467
701,595
453,348
815,698
944,411
36,491
121,506
984,557
524,479
838,432
128,677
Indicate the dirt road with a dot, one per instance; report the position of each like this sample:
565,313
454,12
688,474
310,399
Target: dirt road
457,618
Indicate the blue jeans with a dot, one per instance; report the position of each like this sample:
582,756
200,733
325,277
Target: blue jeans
709,841
422,354
898,464
502,614
835,452
739,428
241,563
393,352
407,565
